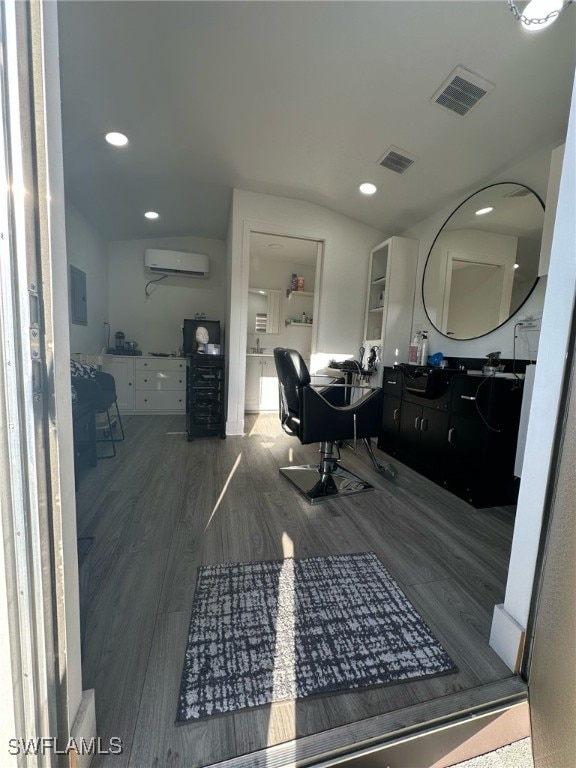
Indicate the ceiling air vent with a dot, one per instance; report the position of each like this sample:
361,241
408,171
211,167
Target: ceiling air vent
396,160
462,91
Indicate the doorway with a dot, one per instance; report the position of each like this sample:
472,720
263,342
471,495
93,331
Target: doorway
281,307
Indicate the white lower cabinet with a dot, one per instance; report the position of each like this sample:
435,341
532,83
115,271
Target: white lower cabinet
261,384
122,368
160,401
149,384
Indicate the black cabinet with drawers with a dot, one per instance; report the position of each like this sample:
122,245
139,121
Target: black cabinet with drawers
464,439
205,404
482,438
422,438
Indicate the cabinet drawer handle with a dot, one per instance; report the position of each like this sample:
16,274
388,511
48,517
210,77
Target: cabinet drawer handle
423,425
451,435
146,381
396,414
417,422
468,397
129,383
389,381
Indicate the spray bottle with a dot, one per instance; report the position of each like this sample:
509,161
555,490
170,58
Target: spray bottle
424,349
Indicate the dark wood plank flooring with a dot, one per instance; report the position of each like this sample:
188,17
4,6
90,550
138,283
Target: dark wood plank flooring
164,506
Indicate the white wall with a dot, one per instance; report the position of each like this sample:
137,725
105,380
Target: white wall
155,321
532,172
342,287
87,251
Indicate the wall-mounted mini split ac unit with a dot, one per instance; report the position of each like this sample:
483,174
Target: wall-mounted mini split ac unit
176,263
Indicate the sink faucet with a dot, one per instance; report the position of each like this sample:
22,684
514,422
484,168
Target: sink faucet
257,346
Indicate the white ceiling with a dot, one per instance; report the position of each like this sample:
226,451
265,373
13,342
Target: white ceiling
299,99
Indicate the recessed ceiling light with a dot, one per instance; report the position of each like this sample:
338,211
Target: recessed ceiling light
152,215
276,246
367,188
483,211
116,139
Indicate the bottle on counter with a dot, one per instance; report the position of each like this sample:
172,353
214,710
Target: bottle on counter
414,349
304,318
424,349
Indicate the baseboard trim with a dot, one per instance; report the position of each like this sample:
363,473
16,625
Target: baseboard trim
235,427
507,638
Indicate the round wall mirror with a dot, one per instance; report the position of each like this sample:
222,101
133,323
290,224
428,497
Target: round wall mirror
483,264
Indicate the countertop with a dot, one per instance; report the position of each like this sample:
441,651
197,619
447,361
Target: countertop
498,375
106,357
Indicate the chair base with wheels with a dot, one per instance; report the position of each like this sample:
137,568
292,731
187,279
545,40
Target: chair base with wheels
326,480
322,416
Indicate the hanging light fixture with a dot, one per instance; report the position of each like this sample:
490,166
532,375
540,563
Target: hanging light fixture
538,14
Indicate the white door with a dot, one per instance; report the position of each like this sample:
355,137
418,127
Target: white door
478,291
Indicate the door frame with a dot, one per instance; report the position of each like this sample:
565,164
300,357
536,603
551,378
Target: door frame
317,277
48,135
39,588
237,324
510,620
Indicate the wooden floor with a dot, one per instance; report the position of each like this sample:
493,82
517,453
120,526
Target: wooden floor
164,506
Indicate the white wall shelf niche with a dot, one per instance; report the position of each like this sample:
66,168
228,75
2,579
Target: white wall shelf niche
298,323
390,298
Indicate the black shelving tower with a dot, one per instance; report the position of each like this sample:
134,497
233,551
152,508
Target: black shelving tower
205,411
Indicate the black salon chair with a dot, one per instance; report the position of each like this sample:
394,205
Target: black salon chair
317,414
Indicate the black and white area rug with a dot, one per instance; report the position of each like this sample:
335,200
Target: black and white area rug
280,630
